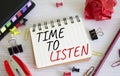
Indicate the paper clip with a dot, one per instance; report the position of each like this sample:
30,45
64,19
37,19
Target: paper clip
27,32
100,32
89,71
96,53
115,64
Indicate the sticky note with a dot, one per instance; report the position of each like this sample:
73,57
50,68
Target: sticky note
19,14
24,9
8,24
29,4
3,29
14,19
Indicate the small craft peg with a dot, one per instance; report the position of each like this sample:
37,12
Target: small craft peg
75,69
24,21
58,4
93,34
67,74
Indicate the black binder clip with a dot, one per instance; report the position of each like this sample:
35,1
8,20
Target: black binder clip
14,49
75,69
94,34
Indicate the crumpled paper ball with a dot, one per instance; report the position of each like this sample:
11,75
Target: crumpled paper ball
99,9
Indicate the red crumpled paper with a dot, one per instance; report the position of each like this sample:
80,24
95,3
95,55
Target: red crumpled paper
99,9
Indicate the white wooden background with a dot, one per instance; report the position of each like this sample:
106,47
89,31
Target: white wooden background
46,10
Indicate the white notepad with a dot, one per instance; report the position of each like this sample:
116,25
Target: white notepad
60,41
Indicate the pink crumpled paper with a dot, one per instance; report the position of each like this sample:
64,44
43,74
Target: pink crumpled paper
99,9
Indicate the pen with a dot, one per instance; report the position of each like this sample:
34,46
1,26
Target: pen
106,54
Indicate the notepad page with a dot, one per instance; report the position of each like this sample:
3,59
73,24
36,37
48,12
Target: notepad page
69,44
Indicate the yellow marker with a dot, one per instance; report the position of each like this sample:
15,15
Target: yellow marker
3,29
96,53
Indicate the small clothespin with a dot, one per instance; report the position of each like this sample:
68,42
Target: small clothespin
15,67
75,69
94,34
58,4
15,48
15,31
67,74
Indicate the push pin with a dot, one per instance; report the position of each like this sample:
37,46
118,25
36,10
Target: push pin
24,21
15,31
75,69
93,33
58,4
14,49
67,73
18,25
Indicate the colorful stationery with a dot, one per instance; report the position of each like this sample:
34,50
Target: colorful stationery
109,57
11,12
61,41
